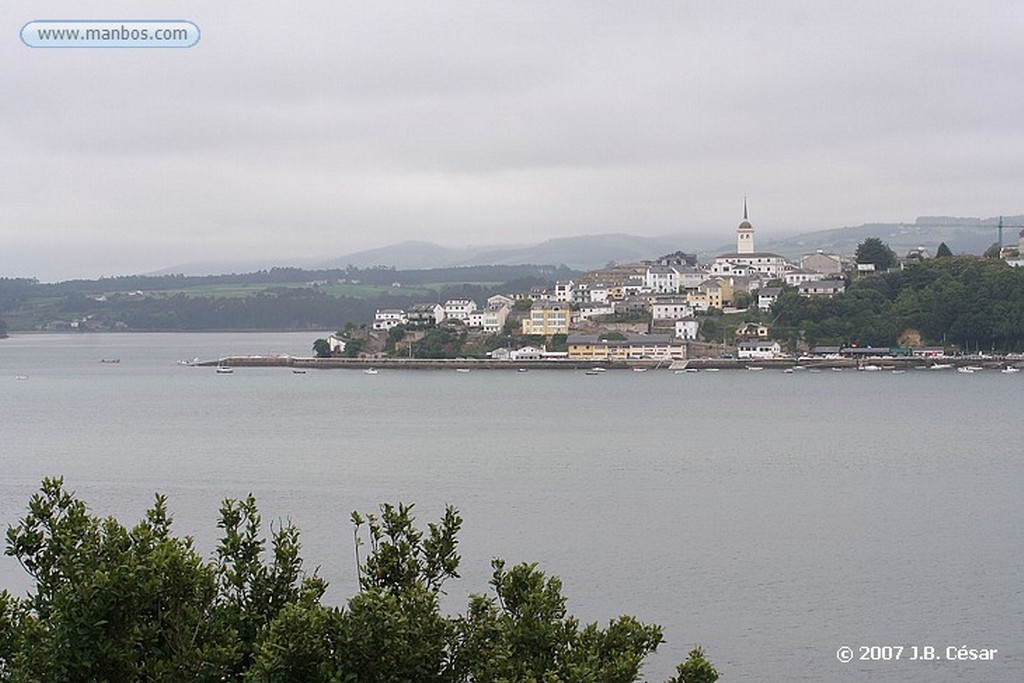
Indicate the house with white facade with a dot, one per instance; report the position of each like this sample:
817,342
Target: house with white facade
493,318
661,280
386,318
500,300
796,276
687,328
767,296
563,290
761,350
459,309
336,344
588,311
671,308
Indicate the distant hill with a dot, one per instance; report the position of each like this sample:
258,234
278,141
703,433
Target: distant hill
588,252
961,235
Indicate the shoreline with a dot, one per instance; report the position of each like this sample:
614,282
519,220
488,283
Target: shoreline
306,363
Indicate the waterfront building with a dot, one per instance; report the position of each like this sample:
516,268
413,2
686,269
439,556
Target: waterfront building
634,347
760,350
547,317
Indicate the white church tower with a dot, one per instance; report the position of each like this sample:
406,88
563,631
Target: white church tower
745,234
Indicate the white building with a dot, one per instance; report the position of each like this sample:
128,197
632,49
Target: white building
687,328
386,318
761,350
797,276
494,318
661,280
745,261
588,311
459,309
767,296
671,309
563,291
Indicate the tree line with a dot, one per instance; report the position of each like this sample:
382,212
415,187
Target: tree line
963,301
128,604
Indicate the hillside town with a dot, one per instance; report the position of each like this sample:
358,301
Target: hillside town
659,309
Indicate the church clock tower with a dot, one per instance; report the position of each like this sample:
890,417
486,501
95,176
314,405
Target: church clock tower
745,234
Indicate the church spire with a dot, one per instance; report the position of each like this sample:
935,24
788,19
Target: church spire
745,233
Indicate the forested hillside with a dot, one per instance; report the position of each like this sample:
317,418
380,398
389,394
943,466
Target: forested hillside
967,302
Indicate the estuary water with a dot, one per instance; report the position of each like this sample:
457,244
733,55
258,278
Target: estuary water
773,518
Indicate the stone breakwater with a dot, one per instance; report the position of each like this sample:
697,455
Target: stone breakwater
304,363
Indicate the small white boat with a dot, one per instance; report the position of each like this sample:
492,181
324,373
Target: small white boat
1009,370
371,371
461,369
898,372
754,368
225,370
940,366
521,370
597,370
975,368
706,369
870,368
21,378
789,371
965,371
639,369
837,369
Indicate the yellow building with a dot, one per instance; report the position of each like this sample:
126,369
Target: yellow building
547,317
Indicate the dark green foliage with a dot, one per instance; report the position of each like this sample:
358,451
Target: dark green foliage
353,347
943,251
440,342
960,300
993,250
322,348
119,604
696,669
874,250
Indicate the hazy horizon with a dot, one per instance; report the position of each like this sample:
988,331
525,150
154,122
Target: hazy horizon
316,131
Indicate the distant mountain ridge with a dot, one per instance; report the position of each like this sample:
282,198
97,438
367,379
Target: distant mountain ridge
963,235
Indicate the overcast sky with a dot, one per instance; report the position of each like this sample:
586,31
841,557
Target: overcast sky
338,126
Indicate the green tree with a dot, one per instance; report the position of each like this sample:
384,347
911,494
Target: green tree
993,250
322,348
943,251
112,603
696,669
353,347
875,251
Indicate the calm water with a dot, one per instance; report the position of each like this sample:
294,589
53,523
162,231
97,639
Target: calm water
772,518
